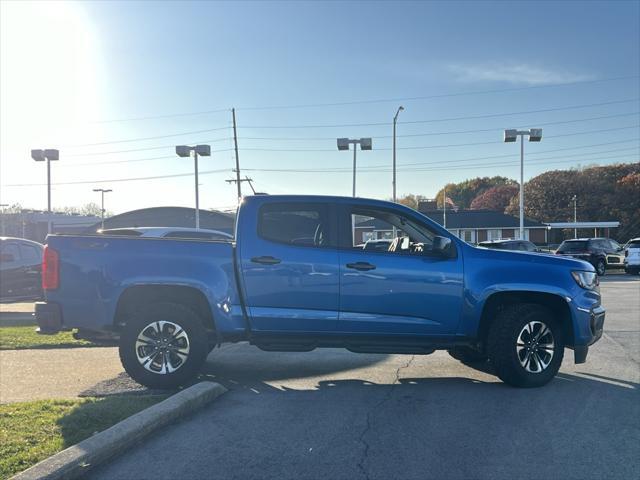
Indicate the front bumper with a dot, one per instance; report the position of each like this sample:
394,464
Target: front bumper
594,319
49,318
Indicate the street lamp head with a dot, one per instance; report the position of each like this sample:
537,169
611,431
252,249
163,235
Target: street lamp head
203,150
510,135
38,155
343,144
52,154
365,144
535,134
183,151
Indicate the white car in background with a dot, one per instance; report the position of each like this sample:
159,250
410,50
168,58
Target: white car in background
168,232
632,256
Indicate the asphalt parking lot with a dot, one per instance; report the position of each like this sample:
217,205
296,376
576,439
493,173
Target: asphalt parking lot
334,414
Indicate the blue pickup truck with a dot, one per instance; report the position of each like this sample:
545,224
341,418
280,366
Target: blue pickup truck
297,277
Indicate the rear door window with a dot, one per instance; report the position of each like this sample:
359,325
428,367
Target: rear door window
9,255
30,254
577,246
301,224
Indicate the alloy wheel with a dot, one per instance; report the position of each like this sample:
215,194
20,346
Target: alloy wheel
162,347
535,347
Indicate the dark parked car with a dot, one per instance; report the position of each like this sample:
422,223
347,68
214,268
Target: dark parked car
602,253
20,269
518,245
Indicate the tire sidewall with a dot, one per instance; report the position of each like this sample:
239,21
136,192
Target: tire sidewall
505,357
603,270
188,320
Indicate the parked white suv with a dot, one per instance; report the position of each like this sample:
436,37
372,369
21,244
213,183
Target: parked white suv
632,256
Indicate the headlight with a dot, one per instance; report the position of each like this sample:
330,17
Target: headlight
588,280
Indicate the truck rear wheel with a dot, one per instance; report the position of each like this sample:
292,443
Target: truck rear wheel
525,345
163,345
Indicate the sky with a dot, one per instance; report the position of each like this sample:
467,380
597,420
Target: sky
116,85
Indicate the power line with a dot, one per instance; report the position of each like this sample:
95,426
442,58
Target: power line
450,119
450,145
216,140
440,168
140,139
469,117
367,101
450,132
115,162
116,180
336,170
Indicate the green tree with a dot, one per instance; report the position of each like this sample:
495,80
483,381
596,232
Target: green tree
463,193
495,198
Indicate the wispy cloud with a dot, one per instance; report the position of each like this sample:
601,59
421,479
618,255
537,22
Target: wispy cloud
515,73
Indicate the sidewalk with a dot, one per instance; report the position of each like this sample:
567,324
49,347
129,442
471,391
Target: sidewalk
16,314
26,307
61,373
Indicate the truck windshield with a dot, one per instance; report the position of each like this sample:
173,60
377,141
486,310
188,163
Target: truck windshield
573,246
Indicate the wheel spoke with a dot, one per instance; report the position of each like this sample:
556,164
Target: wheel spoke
165,353
537,356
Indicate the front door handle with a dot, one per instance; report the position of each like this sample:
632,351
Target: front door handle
362,266
266,260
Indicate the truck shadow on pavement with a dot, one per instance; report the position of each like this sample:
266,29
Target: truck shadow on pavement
579,426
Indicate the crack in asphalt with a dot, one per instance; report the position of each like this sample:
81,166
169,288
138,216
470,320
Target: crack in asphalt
365,453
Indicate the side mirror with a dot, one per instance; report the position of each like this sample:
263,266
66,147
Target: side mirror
442,246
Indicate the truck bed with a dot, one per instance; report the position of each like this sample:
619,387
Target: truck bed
95,271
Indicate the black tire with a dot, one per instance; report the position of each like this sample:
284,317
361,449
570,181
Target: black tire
468,356
509,345
601,267
171,367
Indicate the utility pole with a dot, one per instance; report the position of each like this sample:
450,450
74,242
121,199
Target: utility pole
235,142
245,179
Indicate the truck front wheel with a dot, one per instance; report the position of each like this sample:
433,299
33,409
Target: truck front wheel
163,345
525,345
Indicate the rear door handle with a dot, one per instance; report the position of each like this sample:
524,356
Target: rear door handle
266,260
362,266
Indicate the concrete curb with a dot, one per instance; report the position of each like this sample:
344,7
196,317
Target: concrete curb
76,461
17,319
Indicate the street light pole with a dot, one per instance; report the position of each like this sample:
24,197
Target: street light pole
102,192
365,144
353,190
395,121
48,155
2,206
575,216
521,187
195,163
444,208
511,135
185,151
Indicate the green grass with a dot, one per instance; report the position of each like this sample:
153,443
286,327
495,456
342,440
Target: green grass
12,338
33,431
